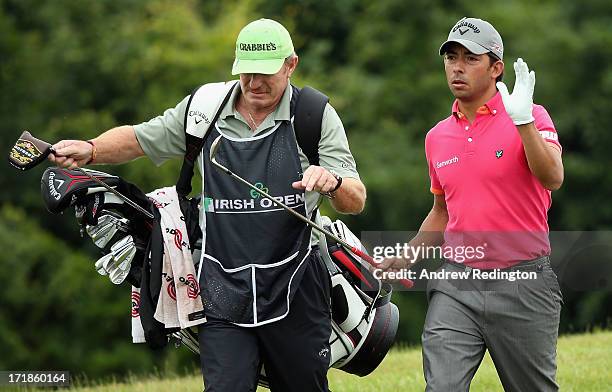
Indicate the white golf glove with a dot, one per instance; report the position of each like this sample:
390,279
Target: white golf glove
519,104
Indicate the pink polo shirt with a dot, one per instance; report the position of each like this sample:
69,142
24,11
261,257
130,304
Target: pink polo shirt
494,201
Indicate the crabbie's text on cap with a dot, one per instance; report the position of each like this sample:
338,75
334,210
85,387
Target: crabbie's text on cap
257,47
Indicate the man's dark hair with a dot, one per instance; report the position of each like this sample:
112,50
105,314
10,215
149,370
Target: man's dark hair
492,60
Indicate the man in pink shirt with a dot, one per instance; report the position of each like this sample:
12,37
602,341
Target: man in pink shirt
493,164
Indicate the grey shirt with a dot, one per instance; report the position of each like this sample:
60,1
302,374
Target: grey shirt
163,137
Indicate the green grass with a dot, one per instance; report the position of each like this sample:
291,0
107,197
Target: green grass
583,361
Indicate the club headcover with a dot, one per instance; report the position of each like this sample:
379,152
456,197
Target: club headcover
89,209
61,188
28,152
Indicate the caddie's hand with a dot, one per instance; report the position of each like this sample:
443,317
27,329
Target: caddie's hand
71,153
318,179
519,104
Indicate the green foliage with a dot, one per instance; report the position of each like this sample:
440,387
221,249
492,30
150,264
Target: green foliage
56,312
72,69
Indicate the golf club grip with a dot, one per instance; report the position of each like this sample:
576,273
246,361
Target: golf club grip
343,258
407,283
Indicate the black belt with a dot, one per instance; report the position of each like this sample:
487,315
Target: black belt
536,265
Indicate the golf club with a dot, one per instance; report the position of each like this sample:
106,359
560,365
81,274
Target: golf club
107,227
29,151
213,151
118,276
116,264
102,263
189,339
123,252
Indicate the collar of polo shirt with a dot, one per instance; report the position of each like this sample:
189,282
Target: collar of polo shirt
493,106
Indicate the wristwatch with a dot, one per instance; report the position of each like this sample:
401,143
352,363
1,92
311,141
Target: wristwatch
330,194
339,179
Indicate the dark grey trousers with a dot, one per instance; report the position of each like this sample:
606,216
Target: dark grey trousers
517,321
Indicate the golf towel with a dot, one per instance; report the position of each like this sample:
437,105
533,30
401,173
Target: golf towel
179,304
138,335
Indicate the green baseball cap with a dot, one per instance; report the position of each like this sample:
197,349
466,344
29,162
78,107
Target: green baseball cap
262,47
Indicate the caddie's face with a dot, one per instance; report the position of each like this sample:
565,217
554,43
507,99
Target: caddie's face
470,76
264,92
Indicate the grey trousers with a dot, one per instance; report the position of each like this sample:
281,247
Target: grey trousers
517,321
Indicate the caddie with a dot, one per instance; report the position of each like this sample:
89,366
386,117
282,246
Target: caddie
266,293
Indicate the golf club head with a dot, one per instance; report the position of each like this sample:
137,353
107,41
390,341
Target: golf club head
108,263
123,252
28,152
61,188
108,225
117,264
102,261
118,276
214,147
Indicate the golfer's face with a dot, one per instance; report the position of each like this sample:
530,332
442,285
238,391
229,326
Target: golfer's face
468,75
265,91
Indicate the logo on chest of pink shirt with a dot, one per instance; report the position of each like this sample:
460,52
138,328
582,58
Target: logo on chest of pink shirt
451,161
499,153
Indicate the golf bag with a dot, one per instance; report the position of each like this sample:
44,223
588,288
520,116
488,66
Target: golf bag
131,244
364,320
121,232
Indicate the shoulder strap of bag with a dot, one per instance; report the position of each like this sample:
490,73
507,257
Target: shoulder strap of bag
308,115
194,144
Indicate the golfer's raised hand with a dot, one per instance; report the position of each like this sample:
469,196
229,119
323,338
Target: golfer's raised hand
71,153
316,178
519,104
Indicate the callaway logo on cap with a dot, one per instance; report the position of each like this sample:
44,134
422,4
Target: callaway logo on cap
262,47
476,35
